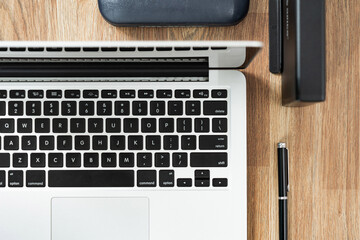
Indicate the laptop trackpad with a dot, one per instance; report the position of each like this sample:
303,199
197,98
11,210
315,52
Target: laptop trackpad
100,218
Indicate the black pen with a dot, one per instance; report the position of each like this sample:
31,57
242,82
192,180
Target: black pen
283,189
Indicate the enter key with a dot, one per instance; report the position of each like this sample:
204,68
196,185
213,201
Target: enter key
213,142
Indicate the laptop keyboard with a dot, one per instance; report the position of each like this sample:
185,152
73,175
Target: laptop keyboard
114,138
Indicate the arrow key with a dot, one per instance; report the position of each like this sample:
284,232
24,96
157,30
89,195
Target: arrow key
184,182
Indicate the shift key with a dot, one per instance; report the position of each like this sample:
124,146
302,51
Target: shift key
208,159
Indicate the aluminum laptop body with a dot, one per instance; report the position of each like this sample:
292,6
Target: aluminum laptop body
123,140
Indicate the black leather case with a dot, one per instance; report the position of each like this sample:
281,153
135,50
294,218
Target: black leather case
173,12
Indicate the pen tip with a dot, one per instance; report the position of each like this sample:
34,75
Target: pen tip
281,145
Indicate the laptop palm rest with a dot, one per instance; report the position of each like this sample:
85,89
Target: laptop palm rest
100,218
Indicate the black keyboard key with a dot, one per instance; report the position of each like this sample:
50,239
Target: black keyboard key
179,160
139,108
100,143
90,94
86,108
11,143
157,108
2,108
213,142
184,182
171,142
175,108
108,159
117,142
162,160
91,178
166,178
3,94
24,125
182,93
91,160
201,93
16,178
46,143
131,125
7,125
17,93
215,108
208,159
42,125
202,125
28,143
202,174
126,159
146,178
77,125
72,94
37,160
202,183
16,108
2,179
193,108
51,108
54,94
148,125
104,108
60,125
95,125
153,142
220,182
184,125
113,125
68,108
135,142
188,142
109,94
127,94
35,178
122,108
4,160
166,125
82,143
64,143
144,160
219,93
33,108
35,94
146,93
219,125
164,94
55,160
73,160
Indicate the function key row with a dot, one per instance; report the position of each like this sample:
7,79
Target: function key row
73,94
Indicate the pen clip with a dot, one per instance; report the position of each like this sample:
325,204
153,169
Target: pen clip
287,174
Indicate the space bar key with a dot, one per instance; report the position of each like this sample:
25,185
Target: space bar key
91,178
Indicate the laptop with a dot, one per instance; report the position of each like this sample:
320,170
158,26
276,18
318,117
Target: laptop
123,140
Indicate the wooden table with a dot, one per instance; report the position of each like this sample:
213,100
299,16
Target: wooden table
323,139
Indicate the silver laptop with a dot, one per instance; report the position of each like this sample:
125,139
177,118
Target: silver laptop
123,140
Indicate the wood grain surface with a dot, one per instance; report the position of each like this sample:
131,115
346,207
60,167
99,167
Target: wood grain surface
323,139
